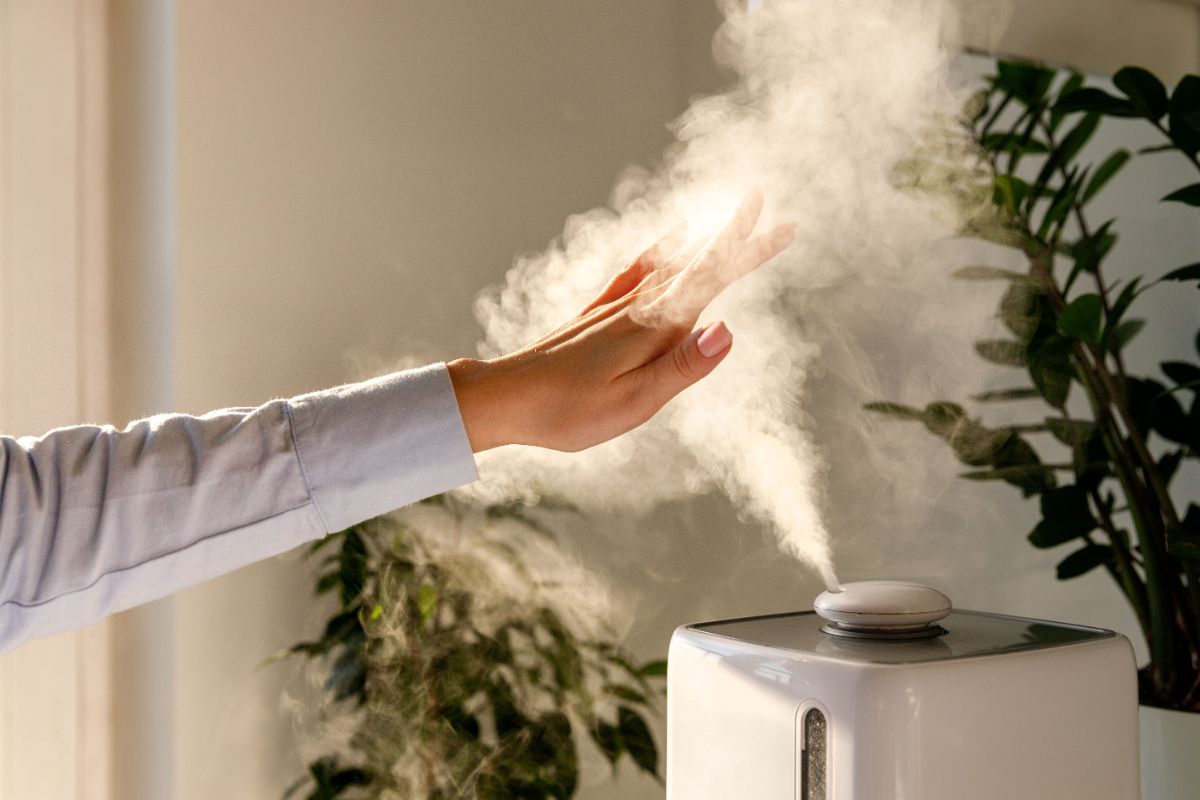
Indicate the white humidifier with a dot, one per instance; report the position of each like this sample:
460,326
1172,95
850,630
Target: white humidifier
886,693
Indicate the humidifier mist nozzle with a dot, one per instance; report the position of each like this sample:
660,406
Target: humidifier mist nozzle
898,610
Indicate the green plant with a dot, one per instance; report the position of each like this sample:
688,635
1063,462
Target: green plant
1108,496
461,674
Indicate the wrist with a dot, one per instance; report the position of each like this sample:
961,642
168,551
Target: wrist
479,402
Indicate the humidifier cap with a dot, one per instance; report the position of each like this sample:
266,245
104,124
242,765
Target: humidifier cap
883,605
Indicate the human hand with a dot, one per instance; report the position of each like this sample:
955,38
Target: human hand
626,354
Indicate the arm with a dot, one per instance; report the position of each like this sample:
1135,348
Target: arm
94,520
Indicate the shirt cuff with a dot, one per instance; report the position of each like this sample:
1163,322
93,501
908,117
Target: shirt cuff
368,448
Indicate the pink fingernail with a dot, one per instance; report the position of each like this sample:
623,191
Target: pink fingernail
715,339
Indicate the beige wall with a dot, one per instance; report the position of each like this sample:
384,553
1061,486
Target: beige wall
351,174
1100,35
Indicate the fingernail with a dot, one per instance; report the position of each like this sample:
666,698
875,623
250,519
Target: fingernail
715,339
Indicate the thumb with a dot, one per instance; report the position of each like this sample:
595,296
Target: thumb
689,361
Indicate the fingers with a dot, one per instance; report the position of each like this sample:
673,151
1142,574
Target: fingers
759,251
729,256
625,281
689,361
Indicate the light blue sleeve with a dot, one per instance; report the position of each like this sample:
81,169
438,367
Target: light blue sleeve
94,520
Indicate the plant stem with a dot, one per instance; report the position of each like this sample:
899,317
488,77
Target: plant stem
1135,590
1163,130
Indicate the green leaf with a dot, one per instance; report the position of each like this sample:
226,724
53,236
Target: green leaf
1158,148
1189,195
1081,318
1009,192
1169,421
1065,516
1020,310
1189,273
1083,561
1088,252
1123,334
1030,479
1146,92
1004,352
1181,120
1183,373
1068,148
1000,395
1104,173
352,567
1184,542
1119,307
984,273
1013,143
1071,432
1096,101
637,739
608,740
653,669
1062,202
1026,82
1075,81
625,693
1169,463
1050,369
427,598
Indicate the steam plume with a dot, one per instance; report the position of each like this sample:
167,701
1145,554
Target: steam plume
830,98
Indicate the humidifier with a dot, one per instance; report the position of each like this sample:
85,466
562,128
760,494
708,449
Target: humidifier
884,692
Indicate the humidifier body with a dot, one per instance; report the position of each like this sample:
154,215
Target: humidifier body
995,708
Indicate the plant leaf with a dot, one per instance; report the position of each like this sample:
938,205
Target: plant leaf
1081,318
1072,83
1104,173
1065,516
637,739
1144,90
1071,432
1158,148
1096,101
1183,373
1185,102
1020,310
1119,307
1009,192
1000,351
427,598
1188,194
653,669
1013,143
1184,542
1050,369
1083,561
1031,479
1089,252
984,273
1124,333
1026,82
1189,273
999,395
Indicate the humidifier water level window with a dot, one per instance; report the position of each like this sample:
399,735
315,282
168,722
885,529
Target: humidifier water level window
885,690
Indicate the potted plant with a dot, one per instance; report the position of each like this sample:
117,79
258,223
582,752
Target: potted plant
1107,502
455,663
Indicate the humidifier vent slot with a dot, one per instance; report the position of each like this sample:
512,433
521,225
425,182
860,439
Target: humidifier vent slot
813,758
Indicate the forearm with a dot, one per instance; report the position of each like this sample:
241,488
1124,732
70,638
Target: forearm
94,520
